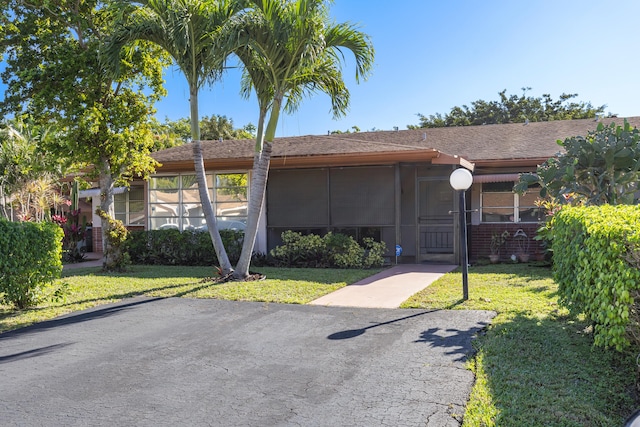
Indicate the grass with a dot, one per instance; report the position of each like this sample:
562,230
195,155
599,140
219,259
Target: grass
535,365
88,287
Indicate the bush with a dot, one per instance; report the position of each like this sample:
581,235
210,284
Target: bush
332,250
592,247
173,247
30,260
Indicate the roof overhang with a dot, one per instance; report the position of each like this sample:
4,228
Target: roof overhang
330,160
95,192
511,163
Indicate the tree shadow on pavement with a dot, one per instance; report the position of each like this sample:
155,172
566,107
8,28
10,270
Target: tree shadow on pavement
83,316
455,340
31,353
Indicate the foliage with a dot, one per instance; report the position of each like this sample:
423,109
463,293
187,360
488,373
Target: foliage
29,261
211,128
354,129
589,248
75,233
331,250
534,365
512,109
116,257
173,247
220,127
54,75
497,241
544,233
27,178
601,168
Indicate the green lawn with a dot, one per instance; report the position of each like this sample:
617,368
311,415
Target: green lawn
535,365
87,287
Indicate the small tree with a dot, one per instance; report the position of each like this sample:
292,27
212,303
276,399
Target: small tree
54,75
601,168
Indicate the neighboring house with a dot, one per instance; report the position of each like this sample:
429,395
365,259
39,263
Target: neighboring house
390,185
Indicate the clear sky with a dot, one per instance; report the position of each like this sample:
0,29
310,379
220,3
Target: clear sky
432,55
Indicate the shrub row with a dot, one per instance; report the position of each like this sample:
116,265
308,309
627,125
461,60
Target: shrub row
30,260
172,247
330,250
593,251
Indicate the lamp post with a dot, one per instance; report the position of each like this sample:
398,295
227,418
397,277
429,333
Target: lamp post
460,180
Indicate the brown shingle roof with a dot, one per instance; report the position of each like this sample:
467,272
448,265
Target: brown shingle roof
536,140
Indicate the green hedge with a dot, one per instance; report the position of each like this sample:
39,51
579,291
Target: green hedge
30,260
172,247
330,250
593,266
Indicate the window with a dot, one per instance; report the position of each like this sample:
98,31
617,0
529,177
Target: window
500,204
174,201
129,206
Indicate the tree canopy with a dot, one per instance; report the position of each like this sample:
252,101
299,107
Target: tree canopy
512,109
54,75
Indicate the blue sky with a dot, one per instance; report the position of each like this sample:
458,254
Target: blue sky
432,55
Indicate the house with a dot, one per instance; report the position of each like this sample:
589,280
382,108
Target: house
390,185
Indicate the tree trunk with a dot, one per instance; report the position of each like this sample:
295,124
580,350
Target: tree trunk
203,191
106,204
259,175
257,192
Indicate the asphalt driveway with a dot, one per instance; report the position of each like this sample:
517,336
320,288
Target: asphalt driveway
177,361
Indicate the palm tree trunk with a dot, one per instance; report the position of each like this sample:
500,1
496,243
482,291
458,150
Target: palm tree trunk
205,200
259,175
257,192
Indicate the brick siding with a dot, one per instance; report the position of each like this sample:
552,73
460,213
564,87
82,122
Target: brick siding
480,239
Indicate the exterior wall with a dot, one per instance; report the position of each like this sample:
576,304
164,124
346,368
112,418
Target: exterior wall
97,238
352,200
480,239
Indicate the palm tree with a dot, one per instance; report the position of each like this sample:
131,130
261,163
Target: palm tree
183,28
289,49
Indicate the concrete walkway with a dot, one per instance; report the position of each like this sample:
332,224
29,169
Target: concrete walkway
387,289
91,259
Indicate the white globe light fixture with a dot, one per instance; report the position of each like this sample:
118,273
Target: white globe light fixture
461,180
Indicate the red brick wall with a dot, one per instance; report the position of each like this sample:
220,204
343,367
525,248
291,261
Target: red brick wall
97,239
480,239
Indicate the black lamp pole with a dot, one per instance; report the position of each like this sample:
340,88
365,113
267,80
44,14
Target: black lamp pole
461,180
463,245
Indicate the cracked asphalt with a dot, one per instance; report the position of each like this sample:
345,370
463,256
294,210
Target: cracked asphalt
178,361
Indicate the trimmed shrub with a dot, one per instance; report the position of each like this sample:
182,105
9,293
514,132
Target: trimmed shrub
173,247
30,260
592,247
331,250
